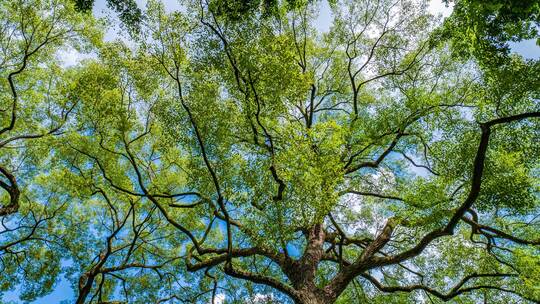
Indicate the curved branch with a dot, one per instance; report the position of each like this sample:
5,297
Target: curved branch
261,279
342,279
454,292
13,191
497,233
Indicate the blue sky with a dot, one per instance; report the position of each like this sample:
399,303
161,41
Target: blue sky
63,291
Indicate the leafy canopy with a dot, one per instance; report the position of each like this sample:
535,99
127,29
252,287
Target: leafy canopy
245,156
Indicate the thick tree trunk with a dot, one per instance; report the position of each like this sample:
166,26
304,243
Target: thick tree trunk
302,272
310,300
313,297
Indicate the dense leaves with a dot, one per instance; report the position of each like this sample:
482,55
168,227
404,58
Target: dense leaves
484,29
227,154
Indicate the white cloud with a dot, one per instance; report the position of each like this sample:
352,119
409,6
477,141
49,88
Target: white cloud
220,299
437,7
70,56
260,298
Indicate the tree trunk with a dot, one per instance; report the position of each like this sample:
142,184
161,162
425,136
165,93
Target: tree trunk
85,285
309,297
302,274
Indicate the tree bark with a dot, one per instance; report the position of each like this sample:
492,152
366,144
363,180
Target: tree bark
312,297
302,273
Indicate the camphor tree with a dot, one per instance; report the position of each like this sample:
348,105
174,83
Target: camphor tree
35,107
257,160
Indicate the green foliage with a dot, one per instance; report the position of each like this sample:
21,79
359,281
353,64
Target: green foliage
232,135
529,264
484,28
128,12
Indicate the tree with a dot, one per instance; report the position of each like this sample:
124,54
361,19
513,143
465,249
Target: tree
260,160
128,12
484,28
35,107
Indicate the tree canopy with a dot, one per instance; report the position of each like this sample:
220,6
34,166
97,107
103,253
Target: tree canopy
225,154
484,29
